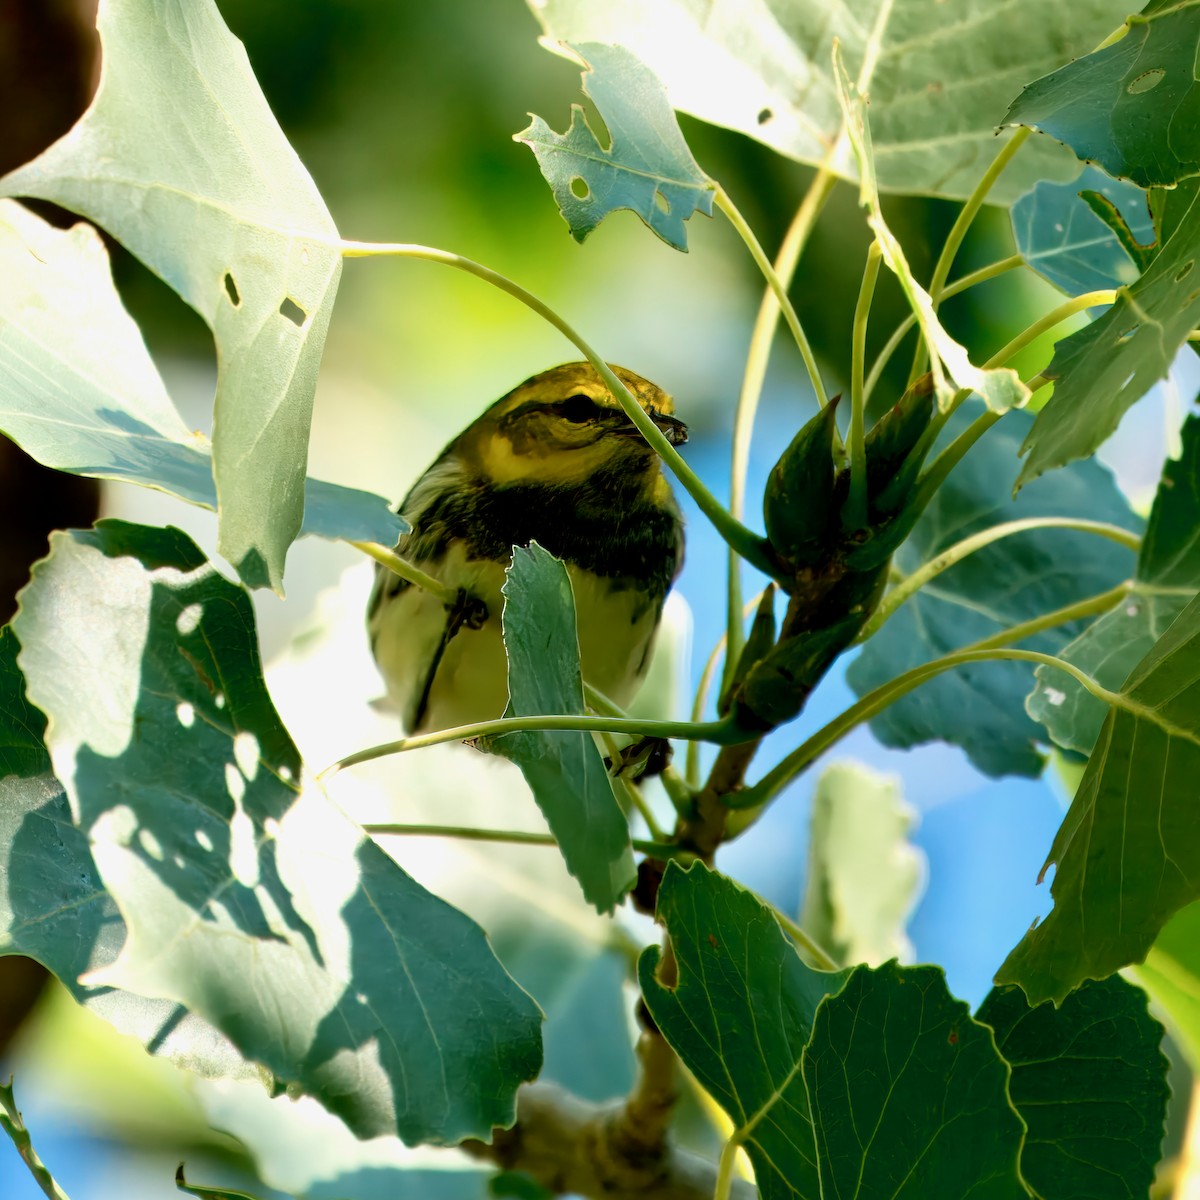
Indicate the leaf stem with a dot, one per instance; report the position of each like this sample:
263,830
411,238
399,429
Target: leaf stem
723,732
725,1168
888,693
992,271
727,206
512,837
855,512
747,543
1092,606
1067,309
969,211
406,570
911,584
14,1126
821,957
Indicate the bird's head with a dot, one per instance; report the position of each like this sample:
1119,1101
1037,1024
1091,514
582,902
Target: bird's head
564,425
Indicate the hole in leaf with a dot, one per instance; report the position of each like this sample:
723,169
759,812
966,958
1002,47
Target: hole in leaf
661,202
1184,271
294,313
1145,81
231,290
1127,335
764,115
579,188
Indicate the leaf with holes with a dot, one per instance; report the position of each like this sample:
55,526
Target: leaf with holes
1132,106
1167,576
1090,1081
1061,237
1128,851
909,1095
1100,371
263,910
647,167
1014,579
180,159
79,392
739,1017
939,78
952,369
564,770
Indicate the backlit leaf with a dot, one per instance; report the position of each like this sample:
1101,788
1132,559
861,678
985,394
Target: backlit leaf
180,159
647,167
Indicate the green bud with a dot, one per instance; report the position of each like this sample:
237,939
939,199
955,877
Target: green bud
759,642
891,465
798,504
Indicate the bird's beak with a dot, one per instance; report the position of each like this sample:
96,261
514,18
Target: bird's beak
675,431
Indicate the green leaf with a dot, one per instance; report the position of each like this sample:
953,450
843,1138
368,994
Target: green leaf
1090,1081
1171,974
952,369
739,1017
1128,851
908,1093
180,159
564,770
864,875
1015,579
1063,239
1166,578
941,76
1133,106
264,911
53,907
80,393
647,166
1103,369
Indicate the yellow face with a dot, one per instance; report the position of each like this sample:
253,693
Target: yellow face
564,425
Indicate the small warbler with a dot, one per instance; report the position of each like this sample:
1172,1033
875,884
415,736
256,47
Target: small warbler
558,462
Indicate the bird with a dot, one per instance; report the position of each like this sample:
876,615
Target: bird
555,461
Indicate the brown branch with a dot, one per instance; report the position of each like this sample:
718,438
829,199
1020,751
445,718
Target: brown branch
571,1146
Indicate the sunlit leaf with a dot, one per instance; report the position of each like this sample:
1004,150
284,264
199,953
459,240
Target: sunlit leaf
1128,851
864,875
1166,578
180,159
1104,368
1133,106
564,770
79,392
264,911
1064,241
739,1016
942,74
908,1093
647,166
1090,1081
980,708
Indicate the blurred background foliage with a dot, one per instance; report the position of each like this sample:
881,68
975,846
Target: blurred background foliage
404,115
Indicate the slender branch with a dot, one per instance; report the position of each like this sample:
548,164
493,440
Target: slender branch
969,545
888,693
693,750
512,837
727,206
406,570
992,271
1068,308
14,1126
970,210
748,544
938,470
856,501
724,732
753,377
1093,606
725,1168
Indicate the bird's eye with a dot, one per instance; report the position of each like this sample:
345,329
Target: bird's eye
577,408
